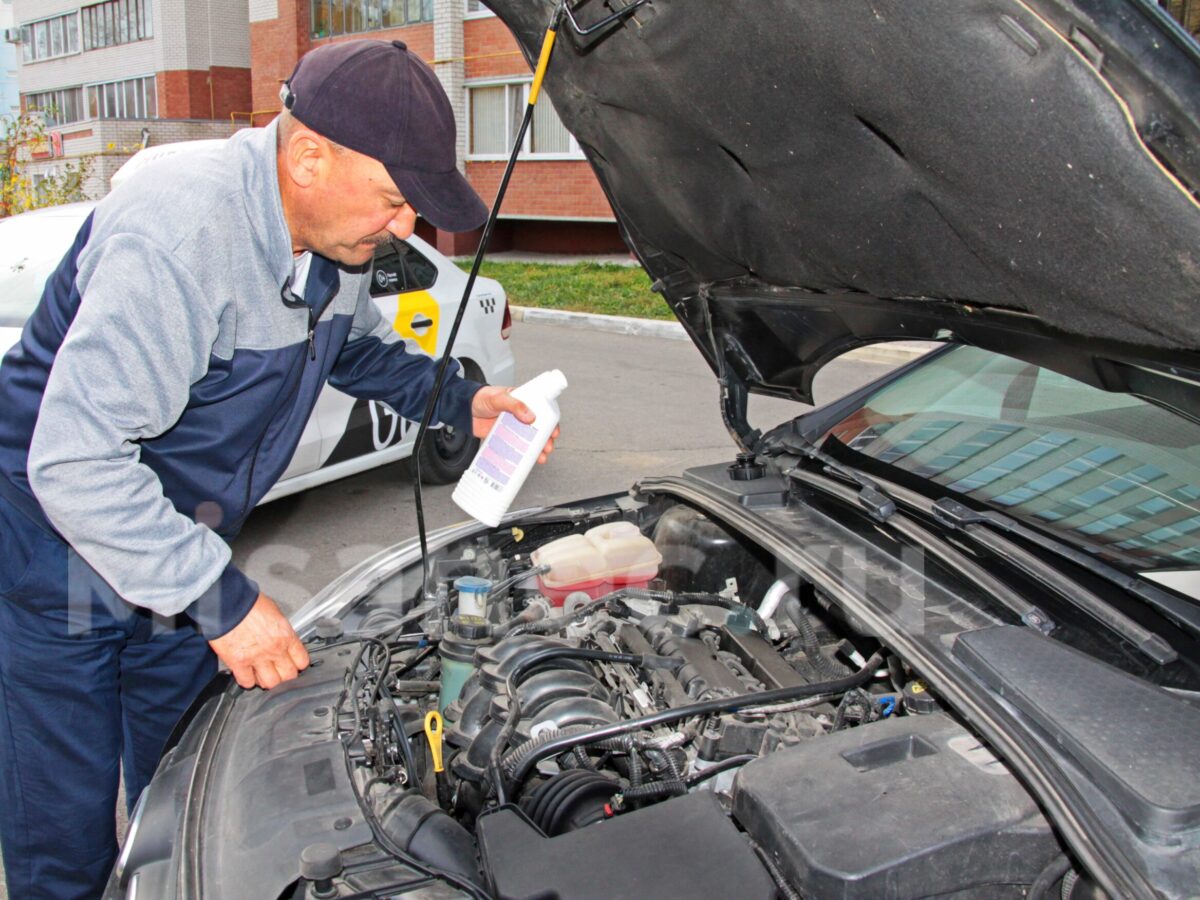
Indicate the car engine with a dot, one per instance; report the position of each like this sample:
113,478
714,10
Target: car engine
678,719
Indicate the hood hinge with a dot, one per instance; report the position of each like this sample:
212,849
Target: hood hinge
735,396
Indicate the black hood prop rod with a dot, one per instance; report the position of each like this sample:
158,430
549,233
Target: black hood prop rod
484,241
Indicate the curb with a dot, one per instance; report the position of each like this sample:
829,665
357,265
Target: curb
671,331
891,353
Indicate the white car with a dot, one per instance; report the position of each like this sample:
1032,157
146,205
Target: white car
415,287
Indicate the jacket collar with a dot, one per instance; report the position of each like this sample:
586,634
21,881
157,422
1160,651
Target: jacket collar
322,286
255,148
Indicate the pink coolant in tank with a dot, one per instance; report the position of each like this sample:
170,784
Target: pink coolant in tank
597,562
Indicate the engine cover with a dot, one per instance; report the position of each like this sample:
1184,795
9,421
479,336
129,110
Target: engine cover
908,807
684,849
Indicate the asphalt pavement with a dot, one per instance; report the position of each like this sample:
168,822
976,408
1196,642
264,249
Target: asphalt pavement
635,406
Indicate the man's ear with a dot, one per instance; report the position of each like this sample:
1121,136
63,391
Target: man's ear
304,157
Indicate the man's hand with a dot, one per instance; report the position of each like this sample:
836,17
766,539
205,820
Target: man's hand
489,401
262,650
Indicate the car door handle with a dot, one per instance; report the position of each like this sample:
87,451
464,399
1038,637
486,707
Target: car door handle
420,323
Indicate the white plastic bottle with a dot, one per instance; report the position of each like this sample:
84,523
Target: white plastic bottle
506,457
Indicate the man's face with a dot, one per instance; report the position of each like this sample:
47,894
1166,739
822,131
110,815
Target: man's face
359,207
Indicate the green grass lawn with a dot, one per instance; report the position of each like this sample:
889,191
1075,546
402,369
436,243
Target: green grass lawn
581,287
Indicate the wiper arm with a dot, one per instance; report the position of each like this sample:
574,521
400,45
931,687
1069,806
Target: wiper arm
981,529
871,496
881,507
1180,611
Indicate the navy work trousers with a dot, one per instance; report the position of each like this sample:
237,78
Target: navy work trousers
88,684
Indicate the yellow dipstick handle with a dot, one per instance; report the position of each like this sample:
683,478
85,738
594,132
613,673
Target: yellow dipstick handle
433,731
543,64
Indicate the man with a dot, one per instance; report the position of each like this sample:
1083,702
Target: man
157,393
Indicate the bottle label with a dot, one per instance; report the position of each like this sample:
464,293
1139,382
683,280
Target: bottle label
504,449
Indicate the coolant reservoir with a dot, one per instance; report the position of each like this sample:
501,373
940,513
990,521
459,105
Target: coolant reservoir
597,562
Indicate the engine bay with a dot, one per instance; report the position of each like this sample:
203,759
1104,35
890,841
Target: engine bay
676,718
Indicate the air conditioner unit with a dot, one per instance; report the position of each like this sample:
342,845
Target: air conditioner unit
12,35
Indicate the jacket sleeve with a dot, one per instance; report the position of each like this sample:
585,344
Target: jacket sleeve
375,364
141,338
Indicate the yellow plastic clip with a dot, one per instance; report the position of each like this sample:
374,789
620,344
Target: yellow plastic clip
433,731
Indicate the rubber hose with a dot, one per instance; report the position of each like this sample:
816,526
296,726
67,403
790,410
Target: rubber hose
549,796
1068,884
703,708
896,672
620,744
716,769
1049,876
522,750
514,703
669,763
502,586
585,761
701,599
527,617
549,626
808,637
770,601
635,764
558,623
558,817
785,890
623,744
655,790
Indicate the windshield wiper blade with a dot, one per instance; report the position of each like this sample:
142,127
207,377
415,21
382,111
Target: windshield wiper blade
1182,612
975,526
871,498
981,527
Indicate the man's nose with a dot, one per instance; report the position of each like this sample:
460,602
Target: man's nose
404,223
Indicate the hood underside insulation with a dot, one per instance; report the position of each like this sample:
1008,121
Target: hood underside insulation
975,151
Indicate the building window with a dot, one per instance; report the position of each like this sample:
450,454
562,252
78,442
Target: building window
476,9
494,117
58,107
133,98
333,17
50,38
115,22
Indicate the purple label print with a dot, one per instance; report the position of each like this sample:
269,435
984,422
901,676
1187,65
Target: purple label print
504,448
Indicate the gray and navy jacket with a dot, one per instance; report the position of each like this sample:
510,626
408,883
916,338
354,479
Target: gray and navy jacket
163,382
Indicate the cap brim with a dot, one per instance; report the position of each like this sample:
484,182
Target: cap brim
445,199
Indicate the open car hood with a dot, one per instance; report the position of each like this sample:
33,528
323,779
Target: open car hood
801,177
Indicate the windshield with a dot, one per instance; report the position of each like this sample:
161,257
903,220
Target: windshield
1107,471
31,246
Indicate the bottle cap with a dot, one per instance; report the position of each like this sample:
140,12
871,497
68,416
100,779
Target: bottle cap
472,584
918,700
549,384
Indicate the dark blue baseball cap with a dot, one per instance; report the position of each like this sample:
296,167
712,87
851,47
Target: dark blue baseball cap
379,99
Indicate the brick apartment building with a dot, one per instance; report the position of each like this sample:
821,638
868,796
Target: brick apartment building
10,102
554,203
116,75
